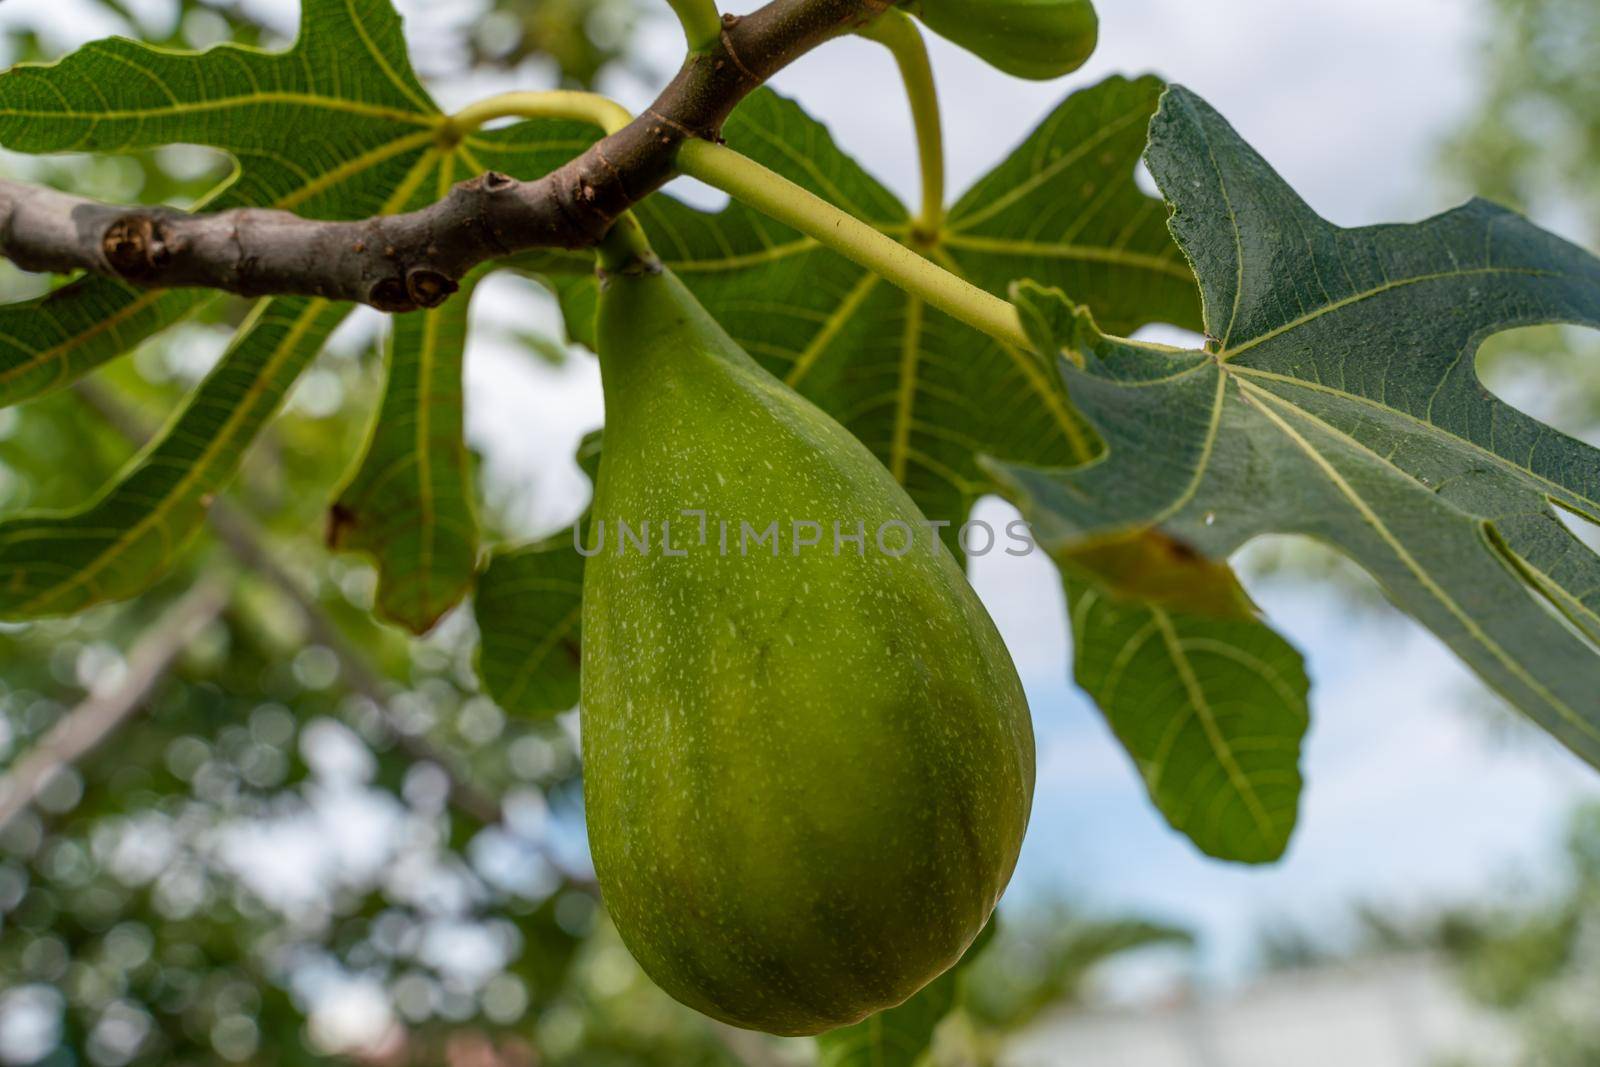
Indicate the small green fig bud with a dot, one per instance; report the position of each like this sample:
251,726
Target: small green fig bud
1037,39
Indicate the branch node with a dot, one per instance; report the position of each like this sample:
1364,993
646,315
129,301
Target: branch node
427,288
733,53
669,123
135,246
392,295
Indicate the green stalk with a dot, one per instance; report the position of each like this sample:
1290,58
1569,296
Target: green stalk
626,250
702,26
896,31
771,194
774,195
592,108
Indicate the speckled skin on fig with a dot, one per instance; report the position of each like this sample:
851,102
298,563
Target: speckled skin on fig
807,776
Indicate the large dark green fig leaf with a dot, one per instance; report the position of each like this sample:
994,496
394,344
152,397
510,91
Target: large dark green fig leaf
324,129
335,127
930,395
1340,401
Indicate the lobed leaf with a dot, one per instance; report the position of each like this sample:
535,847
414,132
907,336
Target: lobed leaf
304,124
410,505
1064,206
323,129
1340,401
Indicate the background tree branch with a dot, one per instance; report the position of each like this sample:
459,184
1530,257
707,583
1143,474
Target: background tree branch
416,260
248,546
86,726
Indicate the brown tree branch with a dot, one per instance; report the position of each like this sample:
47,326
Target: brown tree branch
416,260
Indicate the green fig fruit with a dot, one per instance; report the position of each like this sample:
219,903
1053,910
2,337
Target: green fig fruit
808,764
1037,39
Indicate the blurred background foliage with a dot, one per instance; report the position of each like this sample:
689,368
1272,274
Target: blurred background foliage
1534,144
266,830
1530,958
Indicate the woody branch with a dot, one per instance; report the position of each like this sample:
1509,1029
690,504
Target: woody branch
416,260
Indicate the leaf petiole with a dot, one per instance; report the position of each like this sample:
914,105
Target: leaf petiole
592,108
896,31
702,26
772,194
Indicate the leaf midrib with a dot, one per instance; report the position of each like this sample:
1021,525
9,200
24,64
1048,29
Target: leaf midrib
1200,708
1232,352
1423,576
380,59
279,96
1423,425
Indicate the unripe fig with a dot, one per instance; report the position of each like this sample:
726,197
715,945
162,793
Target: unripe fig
808,763
1038,39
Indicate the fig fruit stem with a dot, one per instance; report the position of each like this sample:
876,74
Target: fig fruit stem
702,25
592,108
774,195
625,249
896,31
